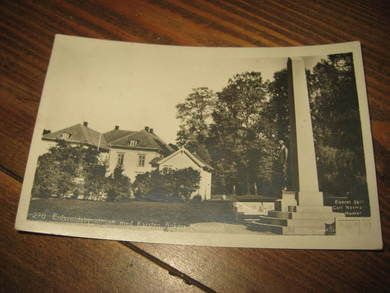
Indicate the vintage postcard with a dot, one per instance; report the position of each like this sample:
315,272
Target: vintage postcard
243,147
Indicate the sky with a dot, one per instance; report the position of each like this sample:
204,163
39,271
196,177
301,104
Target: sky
112,83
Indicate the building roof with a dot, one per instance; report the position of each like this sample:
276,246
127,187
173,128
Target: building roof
82,134
143,139
79,133
116,134
196,159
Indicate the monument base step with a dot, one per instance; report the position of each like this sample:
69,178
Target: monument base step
324,215
272,220
288,194
327,217
279,214
310,209
292,230
259,227
242,216
286,230
313,223
288,199
295,220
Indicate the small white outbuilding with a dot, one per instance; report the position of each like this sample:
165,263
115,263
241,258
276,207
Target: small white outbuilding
183,158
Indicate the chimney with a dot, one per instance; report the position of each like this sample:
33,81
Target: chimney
46,131
85,123
151,130
147,128
116,127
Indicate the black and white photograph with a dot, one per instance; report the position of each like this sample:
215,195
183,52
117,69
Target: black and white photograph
247,147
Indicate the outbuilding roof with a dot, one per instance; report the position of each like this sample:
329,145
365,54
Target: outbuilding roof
196,159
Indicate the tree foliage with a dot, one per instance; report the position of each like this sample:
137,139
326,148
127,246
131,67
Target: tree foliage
239,139
118,185
276,110
238,134
57,171
336,126
195,117
249,117
167,184
76,171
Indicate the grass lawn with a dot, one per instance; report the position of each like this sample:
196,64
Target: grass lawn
133,212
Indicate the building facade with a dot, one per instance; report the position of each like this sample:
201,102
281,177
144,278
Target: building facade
183,158
136,152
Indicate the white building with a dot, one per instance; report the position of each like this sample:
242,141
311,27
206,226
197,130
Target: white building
137,152
183,158
134,150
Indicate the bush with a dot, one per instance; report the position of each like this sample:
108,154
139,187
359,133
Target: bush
167,184
56,172
67,171
118,186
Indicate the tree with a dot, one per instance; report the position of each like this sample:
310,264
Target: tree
56,172
77,171
167,184
143,184
277,115
277,112
94,174
336,126
237,129
237,133
186,182
195,115
118,186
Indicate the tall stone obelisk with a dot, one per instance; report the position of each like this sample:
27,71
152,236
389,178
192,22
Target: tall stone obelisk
304,179
301,209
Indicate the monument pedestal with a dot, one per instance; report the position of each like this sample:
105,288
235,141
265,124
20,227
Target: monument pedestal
287,200
289,218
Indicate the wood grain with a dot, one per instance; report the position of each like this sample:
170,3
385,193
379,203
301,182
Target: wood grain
38,262
31,262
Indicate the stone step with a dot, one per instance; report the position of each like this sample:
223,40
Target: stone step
286,230
279,214
259,227
292,230
284,204
288,195
242,216
315,223
313,216
290,215
310,209
272,221
249,220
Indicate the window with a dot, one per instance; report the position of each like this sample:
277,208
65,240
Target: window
120,159
141,160
133,143
65,135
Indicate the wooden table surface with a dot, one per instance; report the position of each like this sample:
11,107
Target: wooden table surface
32,262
